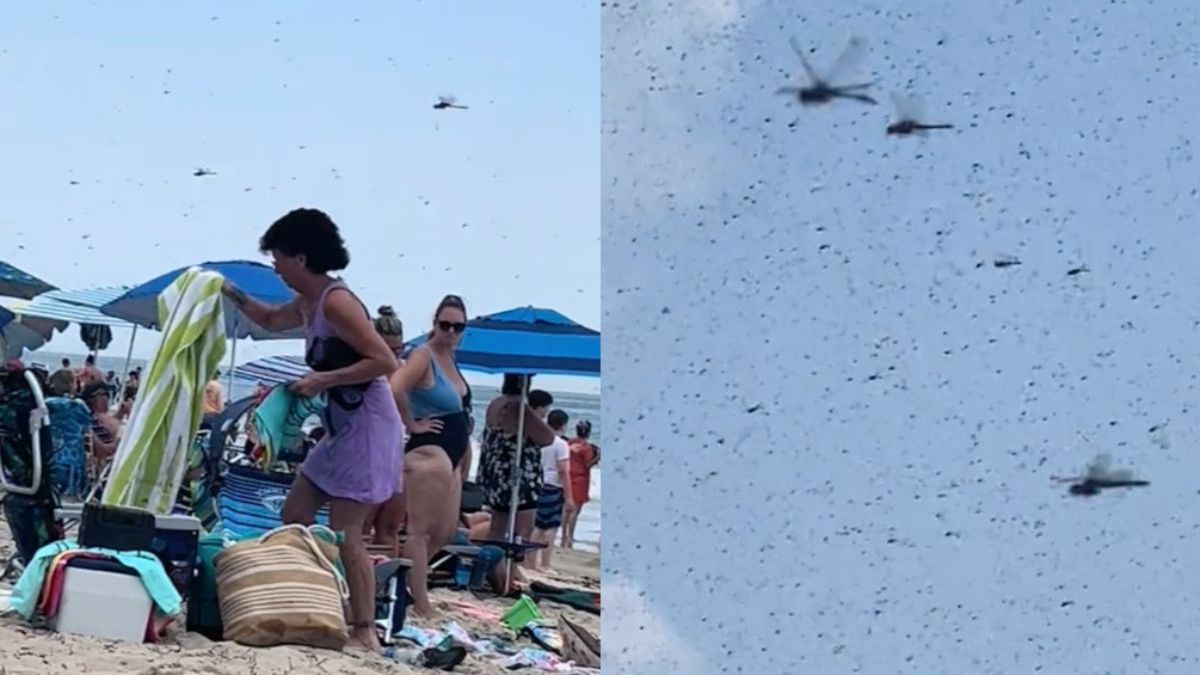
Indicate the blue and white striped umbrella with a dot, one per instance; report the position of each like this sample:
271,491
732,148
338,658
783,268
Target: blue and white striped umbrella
272,370
82,306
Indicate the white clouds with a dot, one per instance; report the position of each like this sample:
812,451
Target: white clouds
638,638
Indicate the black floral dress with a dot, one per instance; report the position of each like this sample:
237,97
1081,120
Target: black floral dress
496,457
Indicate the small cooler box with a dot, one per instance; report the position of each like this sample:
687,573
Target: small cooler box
177,544
103,599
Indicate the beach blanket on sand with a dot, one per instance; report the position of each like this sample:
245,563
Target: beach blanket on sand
153,455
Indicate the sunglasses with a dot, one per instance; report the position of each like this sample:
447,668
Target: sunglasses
451,326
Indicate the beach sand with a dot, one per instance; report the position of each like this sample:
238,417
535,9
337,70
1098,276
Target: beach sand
27,650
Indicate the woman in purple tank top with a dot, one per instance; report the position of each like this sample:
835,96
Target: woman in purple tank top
358,462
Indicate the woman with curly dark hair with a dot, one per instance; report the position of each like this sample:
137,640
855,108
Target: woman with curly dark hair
357,463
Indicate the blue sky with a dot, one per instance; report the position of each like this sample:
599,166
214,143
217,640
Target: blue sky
302,104
842,463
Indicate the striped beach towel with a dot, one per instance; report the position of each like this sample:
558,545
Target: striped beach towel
153,455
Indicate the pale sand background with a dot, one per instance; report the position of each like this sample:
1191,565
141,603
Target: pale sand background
26,650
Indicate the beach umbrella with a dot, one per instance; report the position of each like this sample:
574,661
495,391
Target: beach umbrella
83,307
272,370
526,341
139,304
17,283
97,337
153,454
25,332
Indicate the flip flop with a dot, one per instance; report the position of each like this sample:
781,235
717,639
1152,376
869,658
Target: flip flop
444,659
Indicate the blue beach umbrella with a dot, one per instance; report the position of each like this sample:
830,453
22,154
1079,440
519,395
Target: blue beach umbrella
17,283
139,304
526,341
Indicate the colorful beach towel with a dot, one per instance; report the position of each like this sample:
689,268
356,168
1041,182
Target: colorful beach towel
153,455
70,421
278,420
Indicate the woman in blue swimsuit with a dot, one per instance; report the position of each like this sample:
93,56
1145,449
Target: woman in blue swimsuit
435,403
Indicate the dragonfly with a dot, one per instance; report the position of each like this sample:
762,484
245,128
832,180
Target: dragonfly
201,172
1099,475
819,89
910,109
448,101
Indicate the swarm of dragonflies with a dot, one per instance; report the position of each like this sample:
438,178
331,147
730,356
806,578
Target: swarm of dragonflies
1099,475
448,101
910,117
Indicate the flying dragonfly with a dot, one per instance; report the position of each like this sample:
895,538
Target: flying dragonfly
448,101
819,89
1099,475
910,109
201,172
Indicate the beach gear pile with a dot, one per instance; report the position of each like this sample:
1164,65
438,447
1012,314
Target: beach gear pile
562,647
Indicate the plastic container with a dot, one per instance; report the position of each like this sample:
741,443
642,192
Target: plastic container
177,544
462,572
485,561
521,614
103,599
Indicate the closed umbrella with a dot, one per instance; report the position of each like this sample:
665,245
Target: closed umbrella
97,337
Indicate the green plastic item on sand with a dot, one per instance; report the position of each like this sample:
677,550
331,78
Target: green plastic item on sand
522,613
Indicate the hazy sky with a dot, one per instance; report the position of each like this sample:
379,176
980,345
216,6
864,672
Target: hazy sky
304,104
842,460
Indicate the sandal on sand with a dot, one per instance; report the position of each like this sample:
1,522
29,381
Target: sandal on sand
444,659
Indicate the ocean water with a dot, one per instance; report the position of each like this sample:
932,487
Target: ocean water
577,405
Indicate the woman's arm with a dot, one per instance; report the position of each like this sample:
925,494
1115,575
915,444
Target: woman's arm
272,317
537,429
405,378
349,322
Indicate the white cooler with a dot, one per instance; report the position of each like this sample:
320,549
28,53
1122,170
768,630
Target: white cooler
102,599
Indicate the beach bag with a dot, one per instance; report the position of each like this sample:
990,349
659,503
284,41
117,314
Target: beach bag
285,587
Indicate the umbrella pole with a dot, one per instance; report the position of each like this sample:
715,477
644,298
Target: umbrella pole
125,370
516,483
232,359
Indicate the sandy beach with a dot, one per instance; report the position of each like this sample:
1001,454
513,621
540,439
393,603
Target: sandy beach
24,649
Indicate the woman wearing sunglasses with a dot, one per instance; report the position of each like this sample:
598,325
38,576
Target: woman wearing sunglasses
435,402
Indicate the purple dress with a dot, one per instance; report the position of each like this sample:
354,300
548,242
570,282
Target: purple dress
360,458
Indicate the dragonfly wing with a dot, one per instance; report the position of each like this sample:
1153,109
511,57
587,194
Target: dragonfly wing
1100,466
792,91
808,69
1120,475
848,60
908,106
